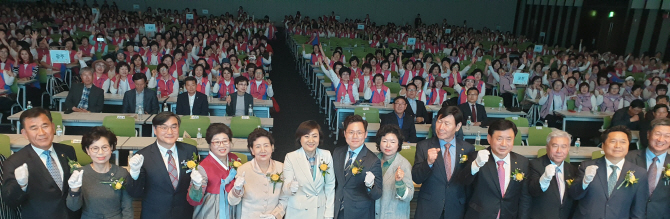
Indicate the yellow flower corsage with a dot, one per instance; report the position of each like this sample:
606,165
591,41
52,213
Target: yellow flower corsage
518,176
275,178
629,180
464,158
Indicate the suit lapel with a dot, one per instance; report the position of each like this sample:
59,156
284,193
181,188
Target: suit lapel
157,158
362,157
338,163
602,176
35,160
512,167
622,177
567,174
303,165
63,159
493,172
439,165
181,151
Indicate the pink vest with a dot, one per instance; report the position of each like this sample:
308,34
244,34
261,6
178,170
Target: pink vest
436,94
223,88
342,92
202,87
453,80
129,80
404,80
26,71
150,57
258,91
165,86
99,81
379,97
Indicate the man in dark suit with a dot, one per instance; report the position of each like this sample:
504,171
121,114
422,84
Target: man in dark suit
415,106
356,191
85,97
35,177
472,110
654,159
146,97
495,192
630,116
549,177
400,118
240,101
161,182
192,102
601,187
436,161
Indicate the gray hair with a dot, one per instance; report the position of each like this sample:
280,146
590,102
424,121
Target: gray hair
659,122
563,134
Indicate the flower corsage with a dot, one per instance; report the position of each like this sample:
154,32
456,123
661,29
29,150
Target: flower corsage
275,178
629,180
74,165
190,164
518,176
235,163
324,168
357,167
116,184
464,158
666,174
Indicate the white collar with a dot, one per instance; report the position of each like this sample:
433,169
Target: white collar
619,164
164,150
225,166
506,158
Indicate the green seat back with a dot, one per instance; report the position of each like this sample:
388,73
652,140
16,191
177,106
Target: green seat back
571,104
491,101
57,119
189,141
14,88
463,64
120,127
408,153
243,127
518,140
191,125
243,157
393,87
607,121
5,146
597,154
152,67
537,136
42,76
521,93
518,121
452,92
82,156
371,114
479,147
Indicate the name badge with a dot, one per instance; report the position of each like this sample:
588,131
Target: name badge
538,127
405,147
195,117
180,139
515,118
121,117
366,108
245,117
76,141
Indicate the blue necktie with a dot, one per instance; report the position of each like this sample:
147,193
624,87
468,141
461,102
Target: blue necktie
611,182
53,169
347,165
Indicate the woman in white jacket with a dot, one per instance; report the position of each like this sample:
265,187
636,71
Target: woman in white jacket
309,178
398,187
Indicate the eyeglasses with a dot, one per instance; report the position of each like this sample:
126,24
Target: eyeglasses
165,127
355,133
105,148
221,143
411,89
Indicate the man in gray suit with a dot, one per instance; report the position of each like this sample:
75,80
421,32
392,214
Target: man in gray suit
602,186
435,162
85,97
356,189
140,95
655,158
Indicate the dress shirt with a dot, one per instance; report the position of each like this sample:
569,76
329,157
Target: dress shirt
507,167
412,104
452,151
54,157
401,119
355,155
473,106
609,169
139,99
164,155
659,163
191,100
544,184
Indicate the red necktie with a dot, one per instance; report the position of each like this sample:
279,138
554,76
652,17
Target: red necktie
474,113
447,160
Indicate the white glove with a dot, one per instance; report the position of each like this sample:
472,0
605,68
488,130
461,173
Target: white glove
21,175
135,164
549,172
589,173
295,186
75,179
482,157
267,216
196,178
369,179
239,182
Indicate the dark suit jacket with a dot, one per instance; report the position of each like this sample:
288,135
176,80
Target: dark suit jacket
150,103
625,202
408,127
200,104
96,98
350,190
621,117
230,108
544,205
487,199
658,204
438,194
467,111
159,198
420,111
42,198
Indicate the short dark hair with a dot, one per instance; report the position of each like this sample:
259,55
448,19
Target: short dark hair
637,103
256,134
658,106
34,113
241,78
450,110
390,129
139,77
618,128
472,88
344,70
305,128
163,117
502,125
661,87
355,118
215,129
95,134
190,78
400,98
122,64
659,97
